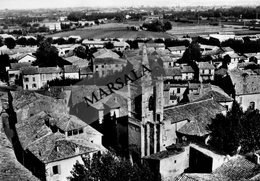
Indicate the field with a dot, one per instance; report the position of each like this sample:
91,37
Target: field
119,30
112,30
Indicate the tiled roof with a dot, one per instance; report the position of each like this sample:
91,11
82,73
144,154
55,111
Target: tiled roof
33,128
71,69
50,70
177,48
54,147
163,154
238,168
77,61
67,122
187,69
85,70
200,177
10,168
109,60
211,91
205,65
198,114
175,71
105,53
30,70
244,82
227,49
18,66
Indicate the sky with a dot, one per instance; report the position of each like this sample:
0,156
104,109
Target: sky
33,4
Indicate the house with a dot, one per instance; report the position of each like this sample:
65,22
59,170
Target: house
31,78
14,72
121,46
34,77
247,89
173,73
85,72
169,60
74,60
206,71
156,46
94,43
26,58
175,92
11,169
236,168
52,26
105,53
108,66
208,49
66,49
51,140
207,91
221,38
187,72
188,121
53,151
71,71
168,164
179,50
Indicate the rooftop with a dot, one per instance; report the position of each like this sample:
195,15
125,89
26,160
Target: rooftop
244,82
198,114
205,65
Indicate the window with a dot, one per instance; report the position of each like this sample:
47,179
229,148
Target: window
33,79
175,161
55,169
80,131
26,79
26,86
178,90
75,132
34,85
103,66
96,66
69,133
252,105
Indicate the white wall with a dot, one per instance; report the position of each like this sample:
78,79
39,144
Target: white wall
244,100
65,168
27,58
174,165
169,132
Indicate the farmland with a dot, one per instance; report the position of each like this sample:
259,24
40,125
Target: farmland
112,30
119,30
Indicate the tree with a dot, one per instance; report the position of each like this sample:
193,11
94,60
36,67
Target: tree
109,45
47,56
81,52
167,26
192,53
31,41
4,63
226,130
109,167
10,43
22,41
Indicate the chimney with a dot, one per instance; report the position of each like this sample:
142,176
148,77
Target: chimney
57,148
77,150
